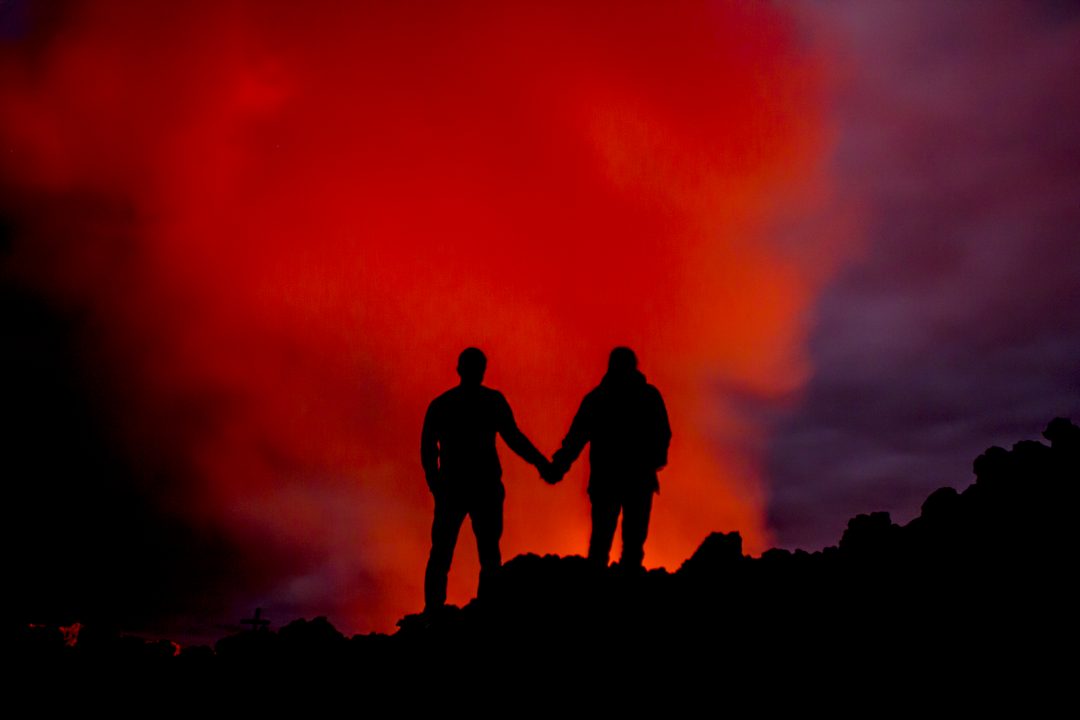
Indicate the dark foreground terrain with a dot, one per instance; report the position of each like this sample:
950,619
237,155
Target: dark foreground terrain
979,586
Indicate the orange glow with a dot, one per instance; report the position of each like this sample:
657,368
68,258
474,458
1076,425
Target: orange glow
309,211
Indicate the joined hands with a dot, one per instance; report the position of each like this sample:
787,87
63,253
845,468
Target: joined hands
551,473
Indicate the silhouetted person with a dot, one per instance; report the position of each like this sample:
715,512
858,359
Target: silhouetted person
626,424
457,450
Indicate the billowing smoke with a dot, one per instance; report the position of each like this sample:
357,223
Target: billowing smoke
959,327
277,224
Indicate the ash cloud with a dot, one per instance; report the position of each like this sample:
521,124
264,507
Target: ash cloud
959,152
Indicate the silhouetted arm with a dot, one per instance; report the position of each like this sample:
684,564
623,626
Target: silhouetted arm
580,433
515,439
663,430
429,447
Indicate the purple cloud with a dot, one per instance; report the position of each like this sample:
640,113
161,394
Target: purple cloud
959,151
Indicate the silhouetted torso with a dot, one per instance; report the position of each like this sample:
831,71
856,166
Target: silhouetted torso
626,424
458,439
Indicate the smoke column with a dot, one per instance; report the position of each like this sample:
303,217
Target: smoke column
282,222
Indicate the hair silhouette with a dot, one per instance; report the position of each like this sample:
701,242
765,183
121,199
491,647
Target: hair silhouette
472,363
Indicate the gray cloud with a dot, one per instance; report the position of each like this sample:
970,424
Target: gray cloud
959,151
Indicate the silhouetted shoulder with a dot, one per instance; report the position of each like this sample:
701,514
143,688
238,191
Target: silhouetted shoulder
494,395
593,396
457,400
492,400
459,394
438,406
654,395
500,408
446,397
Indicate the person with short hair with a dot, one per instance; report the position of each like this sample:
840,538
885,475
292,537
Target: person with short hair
461,465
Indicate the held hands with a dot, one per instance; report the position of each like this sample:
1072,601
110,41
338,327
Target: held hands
550,472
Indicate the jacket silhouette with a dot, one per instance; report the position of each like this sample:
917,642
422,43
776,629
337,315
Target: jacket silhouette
625,423
461,465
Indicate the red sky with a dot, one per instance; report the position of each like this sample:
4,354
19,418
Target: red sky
284,220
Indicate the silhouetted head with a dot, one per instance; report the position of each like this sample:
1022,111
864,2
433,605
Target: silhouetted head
471,365
622,362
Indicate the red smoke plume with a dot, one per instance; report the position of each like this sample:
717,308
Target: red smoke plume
288,218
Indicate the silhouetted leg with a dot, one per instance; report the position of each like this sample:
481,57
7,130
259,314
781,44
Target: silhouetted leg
605,516
487,521
449,514
637,507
